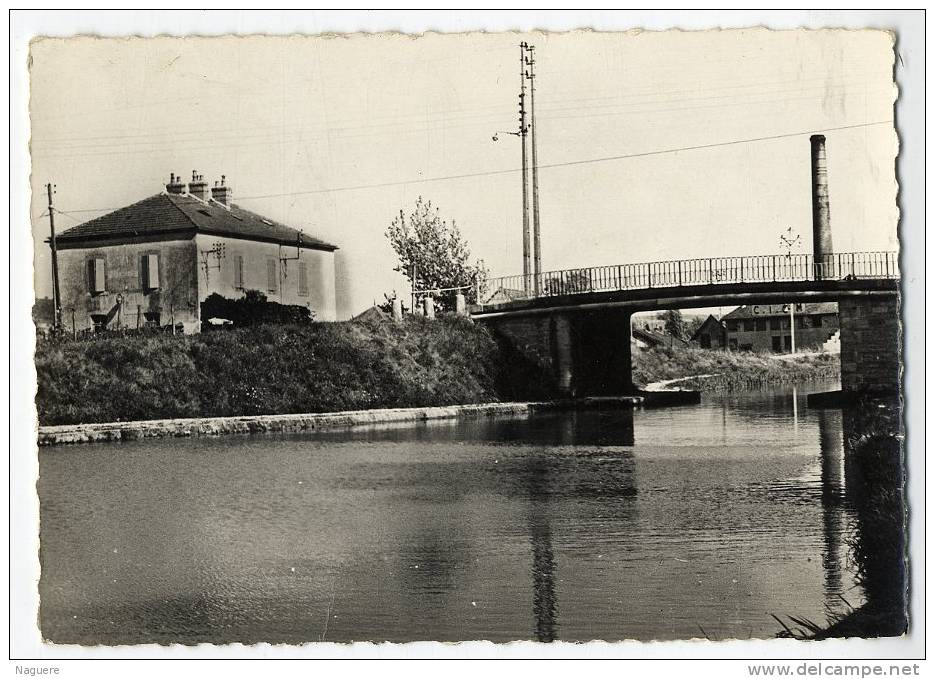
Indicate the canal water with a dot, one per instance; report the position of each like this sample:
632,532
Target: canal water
673,523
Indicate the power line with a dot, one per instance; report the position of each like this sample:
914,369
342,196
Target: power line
447,115
570,163
69,214
566,163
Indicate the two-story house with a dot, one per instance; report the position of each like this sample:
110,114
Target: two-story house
154,262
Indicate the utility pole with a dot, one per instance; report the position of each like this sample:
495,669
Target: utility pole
527,264
790,240
537,247
792,326
56,295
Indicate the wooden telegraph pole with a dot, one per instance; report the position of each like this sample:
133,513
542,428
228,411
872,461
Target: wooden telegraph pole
56,295
527,263
537,247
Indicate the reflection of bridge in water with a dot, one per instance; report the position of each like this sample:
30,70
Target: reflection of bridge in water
577,321
543,482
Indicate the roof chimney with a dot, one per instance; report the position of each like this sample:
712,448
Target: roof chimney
198,187
221,192
175,184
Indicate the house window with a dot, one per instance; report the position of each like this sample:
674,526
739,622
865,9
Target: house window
238,272
149,272
96,278
732,326
775,324
748,325
761,324
272,275
303,279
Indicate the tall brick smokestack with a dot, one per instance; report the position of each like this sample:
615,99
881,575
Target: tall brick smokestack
821,210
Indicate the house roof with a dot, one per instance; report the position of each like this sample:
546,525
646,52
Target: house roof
707,324
657,339
767,310
179,213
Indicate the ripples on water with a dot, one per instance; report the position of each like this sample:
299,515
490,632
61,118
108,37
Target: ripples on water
659,524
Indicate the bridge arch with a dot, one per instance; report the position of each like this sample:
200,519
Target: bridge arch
581,325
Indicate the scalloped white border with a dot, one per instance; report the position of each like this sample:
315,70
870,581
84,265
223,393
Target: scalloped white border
23,602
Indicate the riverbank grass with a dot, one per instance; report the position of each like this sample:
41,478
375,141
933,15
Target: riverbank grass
268,369
710,369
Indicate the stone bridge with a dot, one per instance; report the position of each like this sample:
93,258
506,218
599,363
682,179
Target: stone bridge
578,321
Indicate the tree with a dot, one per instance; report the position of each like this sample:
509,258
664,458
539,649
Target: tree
675,324
433,252
692,325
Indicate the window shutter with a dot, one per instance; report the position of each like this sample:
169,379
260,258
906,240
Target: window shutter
238,271
96,281
303,278
272,275
150,270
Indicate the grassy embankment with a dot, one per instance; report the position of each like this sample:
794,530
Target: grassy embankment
273,369
728,370
328,367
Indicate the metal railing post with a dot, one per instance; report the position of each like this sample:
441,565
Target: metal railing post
671,273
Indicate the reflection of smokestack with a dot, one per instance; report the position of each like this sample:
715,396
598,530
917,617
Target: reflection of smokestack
821,209
830,442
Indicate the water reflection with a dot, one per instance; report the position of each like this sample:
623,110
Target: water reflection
573,526
832,491
543,559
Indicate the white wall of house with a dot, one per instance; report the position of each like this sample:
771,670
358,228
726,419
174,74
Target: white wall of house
263,269
168,294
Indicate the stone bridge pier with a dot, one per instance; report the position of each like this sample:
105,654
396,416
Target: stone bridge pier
870,344
586,352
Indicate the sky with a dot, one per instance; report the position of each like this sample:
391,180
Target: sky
652,146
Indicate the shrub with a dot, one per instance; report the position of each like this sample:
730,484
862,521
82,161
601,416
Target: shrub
269,368
252,309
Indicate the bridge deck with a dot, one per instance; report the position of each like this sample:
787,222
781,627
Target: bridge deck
718,281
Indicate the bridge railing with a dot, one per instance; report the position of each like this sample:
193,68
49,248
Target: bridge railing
691,272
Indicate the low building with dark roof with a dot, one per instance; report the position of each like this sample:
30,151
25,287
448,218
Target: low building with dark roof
711,334
154,262
651,338
766,327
